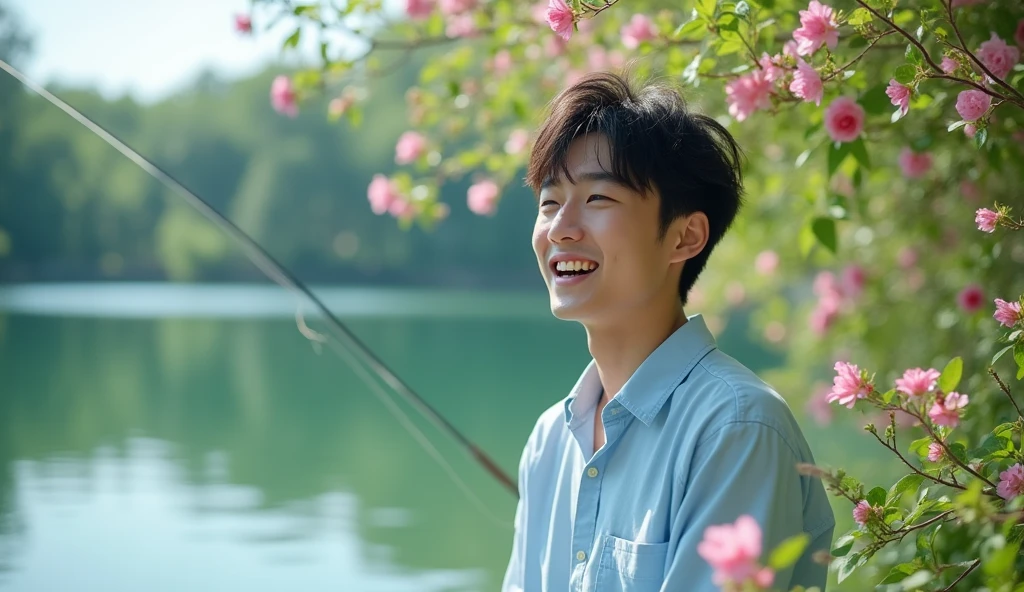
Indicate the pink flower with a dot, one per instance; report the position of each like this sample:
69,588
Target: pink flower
789,49
747,94
819,408
986,219
817,27
560,18
949,65
863,512
772,72
970,130
382,194
946,410
1018,36
453,7
1011,482
854,279
906,258
998,56
502,62
766,262
971,298
243,23
935,452
822,318
283,97
1008,313
517,141
460,25
972,104
844,119
848,385
914,164
411,145
482,197
419,9
732,551
899,95
637,30
400,208
806,83
916,382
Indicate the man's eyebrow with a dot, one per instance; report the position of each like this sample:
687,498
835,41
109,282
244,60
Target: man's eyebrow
594,176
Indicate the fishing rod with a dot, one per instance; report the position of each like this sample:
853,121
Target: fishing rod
283,277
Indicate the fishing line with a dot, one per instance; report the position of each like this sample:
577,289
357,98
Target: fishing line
354,353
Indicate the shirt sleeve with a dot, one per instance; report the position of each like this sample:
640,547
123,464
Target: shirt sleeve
744,468
515,573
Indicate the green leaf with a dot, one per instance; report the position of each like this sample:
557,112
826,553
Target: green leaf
1000,354
293,39
876,497
742,8
905,74
920,446
694,26
825,231
843,545
950,377
898,573
861,16
956,125
914,55
1018,356
959,451
1004,429
848,564
908,483
806,240
875,101
888,395
789,551
917,580
980,137
860,152
837,153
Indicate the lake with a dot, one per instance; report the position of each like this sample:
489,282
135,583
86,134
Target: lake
170,437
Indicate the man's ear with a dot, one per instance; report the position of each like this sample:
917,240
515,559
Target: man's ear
689,235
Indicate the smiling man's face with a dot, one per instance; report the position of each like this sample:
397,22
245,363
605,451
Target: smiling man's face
597,241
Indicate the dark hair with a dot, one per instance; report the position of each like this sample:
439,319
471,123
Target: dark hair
656,143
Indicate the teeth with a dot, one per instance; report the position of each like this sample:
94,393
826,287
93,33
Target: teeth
575,265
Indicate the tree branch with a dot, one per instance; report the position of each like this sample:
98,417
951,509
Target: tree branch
972,567
1006,390
913,468
974,58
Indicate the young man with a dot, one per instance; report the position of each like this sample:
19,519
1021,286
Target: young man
663,435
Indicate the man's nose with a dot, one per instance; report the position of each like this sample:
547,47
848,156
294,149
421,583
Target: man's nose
566,225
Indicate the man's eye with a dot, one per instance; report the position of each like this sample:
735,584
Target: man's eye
548,202
598,196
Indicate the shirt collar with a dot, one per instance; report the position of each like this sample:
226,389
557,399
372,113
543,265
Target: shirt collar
649,387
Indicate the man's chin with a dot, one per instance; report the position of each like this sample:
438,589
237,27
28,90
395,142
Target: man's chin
567,310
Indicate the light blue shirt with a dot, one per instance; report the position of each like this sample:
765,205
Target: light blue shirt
693,439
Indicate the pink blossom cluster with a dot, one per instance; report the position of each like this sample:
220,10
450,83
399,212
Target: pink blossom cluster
1011,482
386,198
1008,314
914,164
987,219
863,512
917,384
833,294
732,551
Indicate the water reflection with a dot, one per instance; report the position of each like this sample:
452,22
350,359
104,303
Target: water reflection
221,452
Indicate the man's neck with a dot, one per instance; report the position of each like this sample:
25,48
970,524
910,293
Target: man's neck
619,349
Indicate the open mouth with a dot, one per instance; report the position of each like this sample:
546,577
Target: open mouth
567,269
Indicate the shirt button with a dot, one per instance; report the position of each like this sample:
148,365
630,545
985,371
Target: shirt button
615,411
580,555
592,472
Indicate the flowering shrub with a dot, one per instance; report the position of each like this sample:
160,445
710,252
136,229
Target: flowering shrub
888,156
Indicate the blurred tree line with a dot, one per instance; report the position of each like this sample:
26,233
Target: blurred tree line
73,208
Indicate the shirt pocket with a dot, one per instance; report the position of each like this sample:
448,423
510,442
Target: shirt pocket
628,566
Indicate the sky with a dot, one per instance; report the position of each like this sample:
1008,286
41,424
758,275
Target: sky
148,49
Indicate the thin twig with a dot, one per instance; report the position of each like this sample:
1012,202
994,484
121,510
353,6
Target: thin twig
915,469
949,453
974,58
1006,390
971,568
859,56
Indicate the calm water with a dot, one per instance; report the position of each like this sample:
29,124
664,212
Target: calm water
169,438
